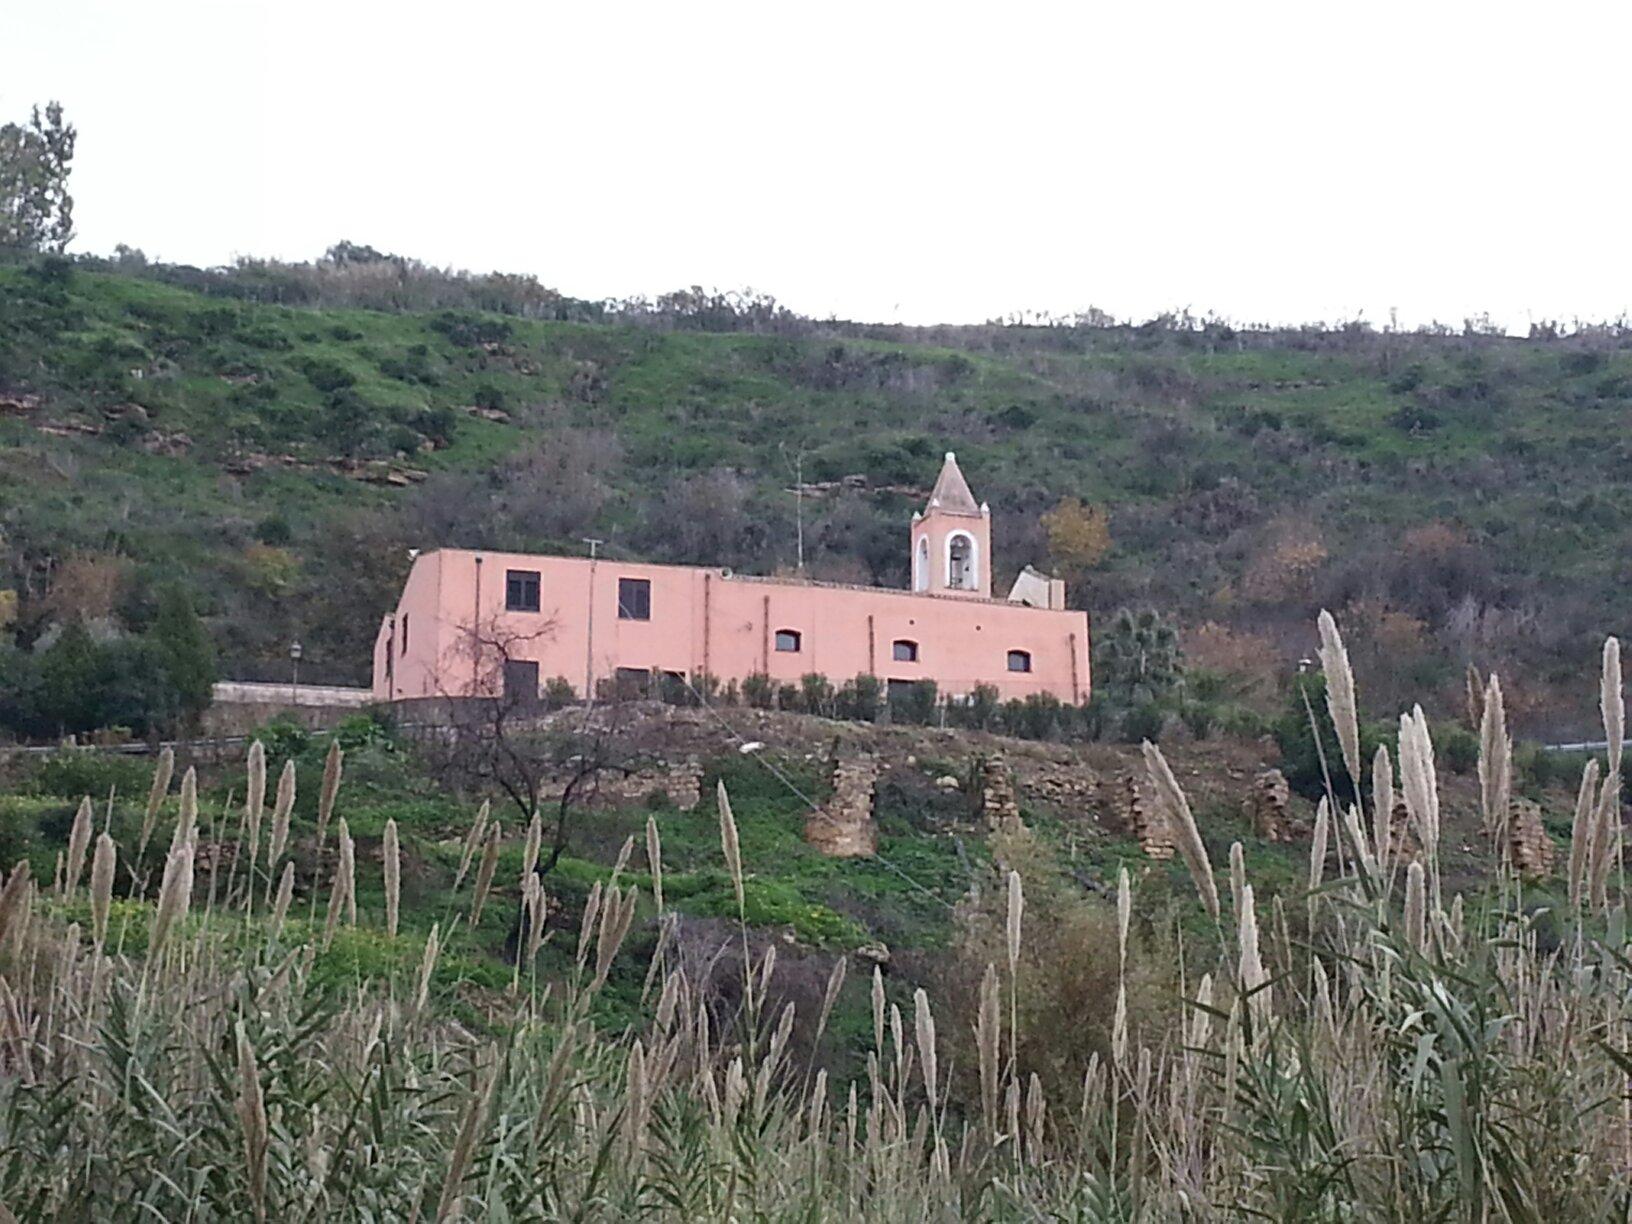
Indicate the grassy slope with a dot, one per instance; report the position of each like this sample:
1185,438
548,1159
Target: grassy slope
1524,448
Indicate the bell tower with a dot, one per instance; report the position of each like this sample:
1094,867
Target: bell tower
952,539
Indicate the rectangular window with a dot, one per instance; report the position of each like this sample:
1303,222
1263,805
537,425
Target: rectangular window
405,633
904,651
520,682
634,599
1019,660
787,641
521,591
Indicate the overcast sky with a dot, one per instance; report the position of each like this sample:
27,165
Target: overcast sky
880,161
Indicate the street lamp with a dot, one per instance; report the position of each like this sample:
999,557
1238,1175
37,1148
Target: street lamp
294,675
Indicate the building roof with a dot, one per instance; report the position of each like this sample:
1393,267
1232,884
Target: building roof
951,493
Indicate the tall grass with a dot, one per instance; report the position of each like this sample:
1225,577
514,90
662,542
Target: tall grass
1416,1057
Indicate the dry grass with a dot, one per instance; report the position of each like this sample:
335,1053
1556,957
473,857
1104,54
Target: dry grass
1418,1058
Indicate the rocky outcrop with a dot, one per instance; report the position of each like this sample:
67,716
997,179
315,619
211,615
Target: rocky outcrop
1269,805
1530,848
843,826
1127,807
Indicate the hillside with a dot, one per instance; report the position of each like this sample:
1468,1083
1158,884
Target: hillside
1456,498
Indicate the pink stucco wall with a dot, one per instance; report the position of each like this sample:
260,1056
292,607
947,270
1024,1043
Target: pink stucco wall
705,620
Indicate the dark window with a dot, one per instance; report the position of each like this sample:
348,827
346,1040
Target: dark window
634,599
1020,660
521,590
405,633
905,651
632,682
787,641
520,682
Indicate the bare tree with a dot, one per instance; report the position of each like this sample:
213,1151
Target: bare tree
507,739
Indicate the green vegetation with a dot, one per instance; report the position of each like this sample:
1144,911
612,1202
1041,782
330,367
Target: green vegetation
1369,1033
1456,497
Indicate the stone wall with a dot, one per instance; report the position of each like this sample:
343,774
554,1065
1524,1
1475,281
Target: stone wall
1127,807
680,781
1068,787
1528,845
998,803
844,827
1269,804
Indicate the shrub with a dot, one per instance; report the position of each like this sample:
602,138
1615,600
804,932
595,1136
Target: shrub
284,738
559,693
1300,757
858,699
1143,722
1199,718
816,694
1458,747
73,775
326,375
916,702
1038,716
758,691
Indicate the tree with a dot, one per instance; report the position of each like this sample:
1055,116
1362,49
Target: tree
1137,658
73,679
36,211
1079,536
185,652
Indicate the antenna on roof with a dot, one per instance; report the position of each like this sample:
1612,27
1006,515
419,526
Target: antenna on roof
594,545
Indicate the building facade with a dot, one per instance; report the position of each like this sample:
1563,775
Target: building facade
485,624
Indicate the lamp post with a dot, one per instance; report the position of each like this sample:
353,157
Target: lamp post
294,672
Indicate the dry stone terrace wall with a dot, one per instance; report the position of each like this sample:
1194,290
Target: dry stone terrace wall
1101,786
680,781
844,826
1531,849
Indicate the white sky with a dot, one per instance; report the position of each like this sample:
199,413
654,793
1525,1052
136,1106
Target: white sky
880,161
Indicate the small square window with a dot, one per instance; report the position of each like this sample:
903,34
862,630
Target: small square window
1020,660
521,591
904,651
787,641
634,599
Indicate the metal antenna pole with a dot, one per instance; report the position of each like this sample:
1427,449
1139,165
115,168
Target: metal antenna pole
589,635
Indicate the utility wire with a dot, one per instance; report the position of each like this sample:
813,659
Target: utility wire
765,760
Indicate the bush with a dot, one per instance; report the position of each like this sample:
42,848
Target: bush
1300,757
1456,746
1199,718
758,691
371,729
73,775
559,693
858,699
979,711
1037,717
1143,722
916,702
816,694
284,738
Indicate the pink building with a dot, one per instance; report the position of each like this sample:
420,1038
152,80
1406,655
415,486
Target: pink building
485,623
